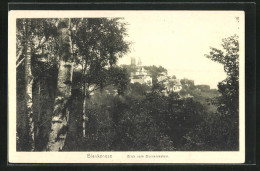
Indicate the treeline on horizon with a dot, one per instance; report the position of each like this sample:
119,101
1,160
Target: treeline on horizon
71,95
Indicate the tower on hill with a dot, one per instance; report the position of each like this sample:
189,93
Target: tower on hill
139,62
133,61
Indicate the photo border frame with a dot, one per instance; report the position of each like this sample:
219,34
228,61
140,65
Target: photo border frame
250,49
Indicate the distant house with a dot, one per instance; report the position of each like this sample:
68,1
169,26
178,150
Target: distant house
171,84
174,85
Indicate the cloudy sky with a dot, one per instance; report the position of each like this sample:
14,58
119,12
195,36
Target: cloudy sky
178,40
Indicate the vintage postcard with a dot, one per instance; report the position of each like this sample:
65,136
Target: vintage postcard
126,86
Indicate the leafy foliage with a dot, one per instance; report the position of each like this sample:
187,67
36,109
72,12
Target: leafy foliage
228,102
155,72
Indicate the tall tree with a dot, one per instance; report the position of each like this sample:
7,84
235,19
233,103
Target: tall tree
229,57
59,122
28,83
31,36
99,42
228,102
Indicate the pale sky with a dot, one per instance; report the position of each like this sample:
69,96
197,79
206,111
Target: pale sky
178,40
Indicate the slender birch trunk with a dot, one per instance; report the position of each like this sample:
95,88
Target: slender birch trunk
59,123
84,114
39,110
28,85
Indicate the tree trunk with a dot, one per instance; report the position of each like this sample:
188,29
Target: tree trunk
59,123
39,109
28,85
84,114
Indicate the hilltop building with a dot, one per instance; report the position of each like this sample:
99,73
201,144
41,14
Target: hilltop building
133,61
140,75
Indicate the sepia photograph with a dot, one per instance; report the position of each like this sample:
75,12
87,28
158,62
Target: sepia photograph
126,87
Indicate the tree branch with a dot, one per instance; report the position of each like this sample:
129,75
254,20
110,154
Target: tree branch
20,63
19,54
98,87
